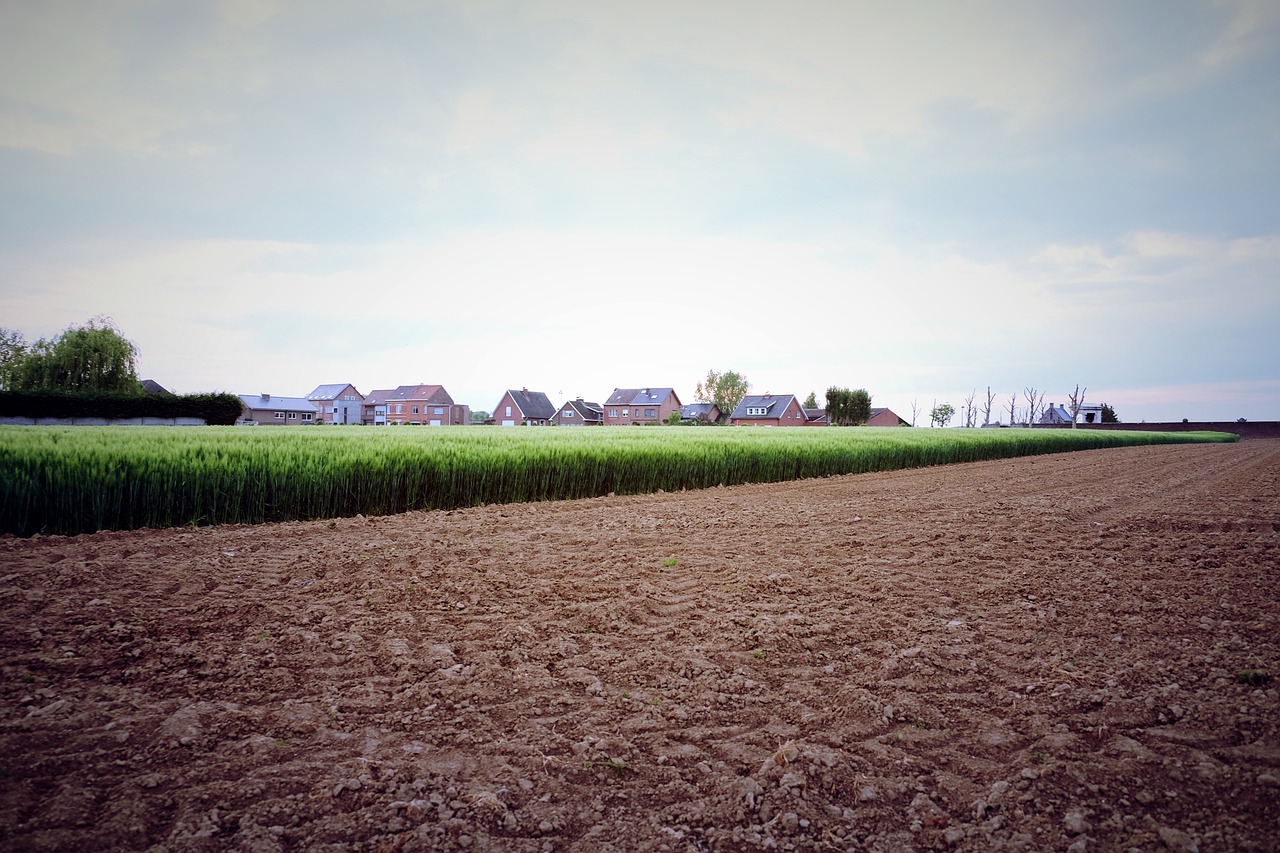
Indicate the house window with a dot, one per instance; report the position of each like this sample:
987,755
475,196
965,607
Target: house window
624,412
439,411
399,408
413,410
293,416
508,411
306,416
568,413
757,410
613,413
648,413
279,416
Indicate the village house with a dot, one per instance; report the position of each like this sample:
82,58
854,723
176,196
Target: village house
337,404
524,408
627,406
579,413
885,417
374,410
769,410
429,405
700,413
264,409
816,417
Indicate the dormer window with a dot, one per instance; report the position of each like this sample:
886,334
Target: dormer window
757,410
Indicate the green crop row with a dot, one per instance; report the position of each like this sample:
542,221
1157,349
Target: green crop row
69,480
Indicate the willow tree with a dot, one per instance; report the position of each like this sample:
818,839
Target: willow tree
92,358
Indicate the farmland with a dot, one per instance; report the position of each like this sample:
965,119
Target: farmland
969,657
82,479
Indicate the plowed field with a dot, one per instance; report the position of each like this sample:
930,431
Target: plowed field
1071,652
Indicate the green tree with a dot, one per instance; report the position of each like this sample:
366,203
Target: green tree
13,346
726,390
94,357
941,414
810,402
848,408
1109,415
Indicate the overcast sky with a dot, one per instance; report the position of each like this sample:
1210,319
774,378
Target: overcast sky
917,198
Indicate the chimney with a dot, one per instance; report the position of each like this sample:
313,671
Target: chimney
266,397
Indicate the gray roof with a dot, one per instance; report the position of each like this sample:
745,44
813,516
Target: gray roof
533,404
588,411
153,387
331,392
378,397
639,396
820,414
272,403
694,409
1055,415
775,403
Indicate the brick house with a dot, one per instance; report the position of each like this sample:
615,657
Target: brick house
884,417
816,417
338,404
417,405
769,410
524,408
374,410
264,409
702,413
579,413
627,406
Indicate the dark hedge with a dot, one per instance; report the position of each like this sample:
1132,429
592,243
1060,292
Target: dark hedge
216,409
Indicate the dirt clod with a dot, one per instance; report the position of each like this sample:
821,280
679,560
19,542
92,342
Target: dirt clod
1071,652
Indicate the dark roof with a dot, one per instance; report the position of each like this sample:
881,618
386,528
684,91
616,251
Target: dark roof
378,397
694,409
639,396
430,393
815,414
775,403
588,411
534,405
153,387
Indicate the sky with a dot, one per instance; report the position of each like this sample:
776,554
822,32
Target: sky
923,199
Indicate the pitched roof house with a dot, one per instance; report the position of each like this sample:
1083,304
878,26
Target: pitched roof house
422,404
769,410
579,413
640,406
816,417
524,408
281,411
374,410
885,417
338,403
703,413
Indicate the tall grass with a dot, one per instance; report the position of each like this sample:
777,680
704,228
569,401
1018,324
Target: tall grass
71,480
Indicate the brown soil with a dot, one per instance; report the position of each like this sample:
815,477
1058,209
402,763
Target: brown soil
1066,652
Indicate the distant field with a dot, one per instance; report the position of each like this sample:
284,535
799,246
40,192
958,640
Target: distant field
72,480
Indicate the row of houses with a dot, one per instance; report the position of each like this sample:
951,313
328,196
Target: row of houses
431,405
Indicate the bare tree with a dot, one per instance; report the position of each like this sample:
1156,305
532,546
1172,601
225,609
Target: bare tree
1077,401
986,410
969,414
1036,400
915,411
1013,408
